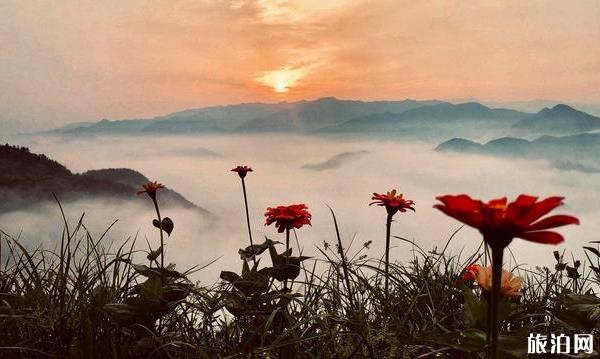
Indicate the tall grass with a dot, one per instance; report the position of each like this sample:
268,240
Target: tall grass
89,299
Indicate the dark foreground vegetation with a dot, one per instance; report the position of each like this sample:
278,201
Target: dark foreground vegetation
88,299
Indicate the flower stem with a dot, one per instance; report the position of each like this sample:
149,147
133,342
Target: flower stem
162,253
287,254
388,227
248,219
493,325
162,249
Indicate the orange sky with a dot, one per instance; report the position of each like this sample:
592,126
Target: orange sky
68,60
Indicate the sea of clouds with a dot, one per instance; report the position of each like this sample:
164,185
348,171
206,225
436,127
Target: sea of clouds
199,168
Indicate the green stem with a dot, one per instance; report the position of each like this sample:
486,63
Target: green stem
493,325
248,219
162,252
162,249
388,227
287,254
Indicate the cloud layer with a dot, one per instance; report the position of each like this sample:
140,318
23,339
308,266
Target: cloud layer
413,168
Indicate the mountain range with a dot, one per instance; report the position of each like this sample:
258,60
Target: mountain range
573,152
28,179
302,116
325,116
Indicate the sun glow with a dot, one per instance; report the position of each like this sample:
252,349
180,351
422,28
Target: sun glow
282,80
280,85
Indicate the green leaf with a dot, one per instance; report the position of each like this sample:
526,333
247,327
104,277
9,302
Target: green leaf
148,272
475,310
154,254
593,250
167,225
121,312
229,276
152,289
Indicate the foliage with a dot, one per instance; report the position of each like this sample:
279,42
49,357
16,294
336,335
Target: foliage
87,299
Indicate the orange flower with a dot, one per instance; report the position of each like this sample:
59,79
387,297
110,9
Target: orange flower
150,188
470,273
242,170
500,222
510,285
288,217
392,202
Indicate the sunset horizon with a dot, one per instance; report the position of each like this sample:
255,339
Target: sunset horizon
128,60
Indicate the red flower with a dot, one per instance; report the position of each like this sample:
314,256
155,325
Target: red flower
500,222
242,170
288,217
150,188
470,273
392,202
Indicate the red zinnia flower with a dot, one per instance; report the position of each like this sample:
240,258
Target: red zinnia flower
500,222
150,188
470,273
392,202
288,217
242,170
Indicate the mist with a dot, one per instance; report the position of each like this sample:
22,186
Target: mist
199,169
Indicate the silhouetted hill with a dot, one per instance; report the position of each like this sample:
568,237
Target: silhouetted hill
438,120
576,152
28,179
335,161
301,116
559,120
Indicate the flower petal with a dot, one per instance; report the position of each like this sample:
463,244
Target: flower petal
471,218
542,208
553,222
462,201
547,237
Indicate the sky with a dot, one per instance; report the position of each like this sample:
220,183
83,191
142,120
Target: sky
79,60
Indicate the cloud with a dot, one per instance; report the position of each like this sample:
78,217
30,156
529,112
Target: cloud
412,168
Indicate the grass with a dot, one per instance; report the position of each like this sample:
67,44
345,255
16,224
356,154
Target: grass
88,299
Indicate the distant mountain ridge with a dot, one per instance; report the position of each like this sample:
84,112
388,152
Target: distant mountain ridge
429,119
574,152
442,113
28,179
301,116
560,119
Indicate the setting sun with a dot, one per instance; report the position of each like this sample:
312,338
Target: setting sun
280,85
283,79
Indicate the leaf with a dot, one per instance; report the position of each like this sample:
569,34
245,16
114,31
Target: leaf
513,345
285,268
593,250
154,254
152,289
148,272
167,225
229,276
176,292
121,312
245,268
474,310
251,251
573,319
